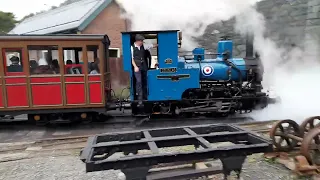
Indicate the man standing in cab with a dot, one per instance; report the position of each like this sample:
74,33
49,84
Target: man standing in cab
140,65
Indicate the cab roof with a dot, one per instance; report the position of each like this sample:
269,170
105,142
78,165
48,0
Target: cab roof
53,36
148,32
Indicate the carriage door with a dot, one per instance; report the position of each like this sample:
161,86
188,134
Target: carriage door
15,78
75,88
95,92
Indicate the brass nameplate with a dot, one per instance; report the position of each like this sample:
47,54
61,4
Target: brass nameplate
168,70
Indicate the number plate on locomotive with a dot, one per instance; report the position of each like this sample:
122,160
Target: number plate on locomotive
168,70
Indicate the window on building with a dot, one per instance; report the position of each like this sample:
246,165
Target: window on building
13,61
94,60
72,58
114,52
44,60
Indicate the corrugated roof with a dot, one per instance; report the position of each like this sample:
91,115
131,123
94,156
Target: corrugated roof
75,15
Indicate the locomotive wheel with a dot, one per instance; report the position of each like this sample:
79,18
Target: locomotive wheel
310,147
279,131
310,123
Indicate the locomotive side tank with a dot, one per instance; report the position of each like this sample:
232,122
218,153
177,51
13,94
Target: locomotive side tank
217,69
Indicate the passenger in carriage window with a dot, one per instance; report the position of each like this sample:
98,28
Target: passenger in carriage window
15,66
33,65
69,70
43,67
95,67
55,66
73,69
90,64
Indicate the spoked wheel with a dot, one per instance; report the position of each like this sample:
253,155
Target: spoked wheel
279,133
310,123
310,147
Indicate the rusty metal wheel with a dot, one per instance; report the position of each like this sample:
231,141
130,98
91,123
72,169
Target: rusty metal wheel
310,147
309,124
279,132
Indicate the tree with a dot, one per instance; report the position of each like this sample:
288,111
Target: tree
7,22
27,16
68,2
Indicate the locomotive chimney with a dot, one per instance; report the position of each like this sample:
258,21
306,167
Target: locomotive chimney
249,46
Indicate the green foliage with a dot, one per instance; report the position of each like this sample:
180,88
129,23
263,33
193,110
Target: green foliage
7,22
68,2
27,16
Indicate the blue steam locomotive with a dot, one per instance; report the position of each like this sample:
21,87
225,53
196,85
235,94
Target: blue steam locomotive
192,83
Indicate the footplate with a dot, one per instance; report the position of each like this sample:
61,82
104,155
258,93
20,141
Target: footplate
136,152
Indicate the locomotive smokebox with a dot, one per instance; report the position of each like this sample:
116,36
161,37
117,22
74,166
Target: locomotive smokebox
249,46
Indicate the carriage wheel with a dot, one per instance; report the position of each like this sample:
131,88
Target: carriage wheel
310,147
309,124
279,131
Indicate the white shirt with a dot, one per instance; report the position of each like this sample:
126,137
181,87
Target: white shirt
42,62
94,72
146,47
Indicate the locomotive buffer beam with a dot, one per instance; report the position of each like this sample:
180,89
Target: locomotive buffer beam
100,149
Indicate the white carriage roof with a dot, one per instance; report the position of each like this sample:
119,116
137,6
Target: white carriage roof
76,15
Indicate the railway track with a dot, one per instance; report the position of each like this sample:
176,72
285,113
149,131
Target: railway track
255,126
66,142
119,122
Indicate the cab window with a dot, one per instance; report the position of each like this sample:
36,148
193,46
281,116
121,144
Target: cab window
43,60
13,61
72,58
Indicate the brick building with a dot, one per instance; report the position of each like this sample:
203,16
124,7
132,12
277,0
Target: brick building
86,17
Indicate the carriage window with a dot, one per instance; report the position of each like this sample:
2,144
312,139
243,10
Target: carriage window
44,60
93,59
72,58
13,61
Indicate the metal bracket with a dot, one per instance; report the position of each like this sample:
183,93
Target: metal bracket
136,173
232,164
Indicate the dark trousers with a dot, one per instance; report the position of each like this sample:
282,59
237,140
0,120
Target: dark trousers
141,84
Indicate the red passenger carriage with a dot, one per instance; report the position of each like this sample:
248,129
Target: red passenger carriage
52,76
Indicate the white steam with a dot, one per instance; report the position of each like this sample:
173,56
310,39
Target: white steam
190,16
292,72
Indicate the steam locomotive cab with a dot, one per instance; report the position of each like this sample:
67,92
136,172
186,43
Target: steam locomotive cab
165,84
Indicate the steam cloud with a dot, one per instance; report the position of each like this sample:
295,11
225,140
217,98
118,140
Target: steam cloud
292,72
190,16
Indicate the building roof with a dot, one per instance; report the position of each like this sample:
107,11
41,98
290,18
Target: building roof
77,15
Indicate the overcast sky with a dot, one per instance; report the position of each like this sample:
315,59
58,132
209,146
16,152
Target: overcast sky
24,7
